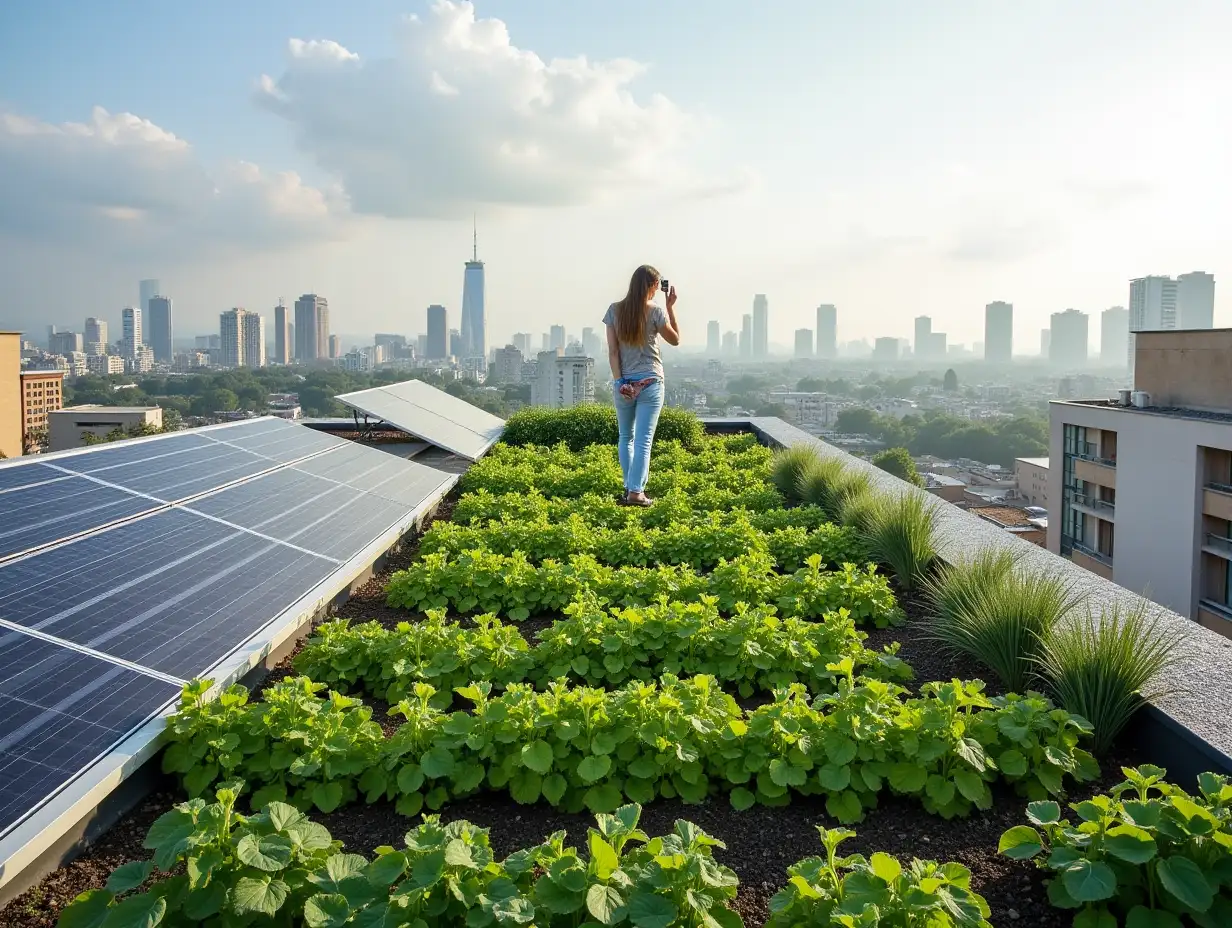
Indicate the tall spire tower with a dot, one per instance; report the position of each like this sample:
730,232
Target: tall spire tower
474,312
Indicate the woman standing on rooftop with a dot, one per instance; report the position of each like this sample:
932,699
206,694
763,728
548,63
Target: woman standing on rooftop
634,325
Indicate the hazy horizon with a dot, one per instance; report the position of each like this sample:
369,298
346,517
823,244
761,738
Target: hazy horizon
890,159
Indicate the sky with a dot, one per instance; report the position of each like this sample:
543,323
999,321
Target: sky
890,157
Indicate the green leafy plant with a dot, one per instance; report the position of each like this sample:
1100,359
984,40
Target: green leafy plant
233,870
1147,852
580,426
997,614
864,892
1106,667
900,534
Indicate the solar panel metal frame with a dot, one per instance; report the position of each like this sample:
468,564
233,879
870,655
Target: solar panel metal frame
422,410
39,833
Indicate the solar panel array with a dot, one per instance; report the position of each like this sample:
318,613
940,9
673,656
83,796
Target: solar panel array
126,570
438,418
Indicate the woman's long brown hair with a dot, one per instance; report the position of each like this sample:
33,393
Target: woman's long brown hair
631,311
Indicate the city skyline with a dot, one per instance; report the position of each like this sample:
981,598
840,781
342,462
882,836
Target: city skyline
222,175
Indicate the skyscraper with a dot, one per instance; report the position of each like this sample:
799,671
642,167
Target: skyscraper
96,336
1067,345
1195,300
282,335
592,344
827,331
804,343
159,328
311,328
731,344
923,338
438,332
999,332
130,318
474,319
521,341
712,338
335,346
146,291
242,338
761,326
1045,343
1152,306
746,336
455,343
1114,336
558,337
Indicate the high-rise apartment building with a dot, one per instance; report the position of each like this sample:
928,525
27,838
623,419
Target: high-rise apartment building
438,333
241,336
311,328
558,337
282,335
713,341
335,347
562,381
923,338
146,291
746,336
592,344
885,349
761,326
1114,336
42,392
11,433
1144,491
999,332
474,319
131,337
1067,346
804,343
827,331
64,343
507,366
455,343
95,342
159,330
522,342
1152,307
1195,300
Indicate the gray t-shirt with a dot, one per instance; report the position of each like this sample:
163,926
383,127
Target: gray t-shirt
641,359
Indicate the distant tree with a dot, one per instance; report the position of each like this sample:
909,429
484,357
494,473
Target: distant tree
858,421
951,381
773,410
897,461
34,441
172,420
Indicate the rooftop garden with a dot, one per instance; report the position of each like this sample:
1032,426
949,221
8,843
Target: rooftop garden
764,700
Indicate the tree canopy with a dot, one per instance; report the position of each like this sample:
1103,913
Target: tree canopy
898,462
998,441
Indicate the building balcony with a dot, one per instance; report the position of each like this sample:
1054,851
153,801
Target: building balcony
1217,545
1092,505
1215,616
1092,560
1099,471
1217,501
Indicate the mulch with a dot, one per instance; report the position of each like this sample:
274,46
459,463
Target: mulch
761,842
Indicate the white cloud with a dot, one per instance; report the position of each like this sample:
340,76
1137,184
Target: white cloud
461,116
120,181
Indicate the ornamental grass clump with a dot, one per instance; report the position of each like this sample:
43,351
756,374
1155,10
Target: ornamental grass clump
999,615
830,482
788,466
1106,667
900,535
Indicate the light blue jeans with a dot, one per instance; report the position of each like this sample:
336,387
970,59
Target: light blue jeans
637,420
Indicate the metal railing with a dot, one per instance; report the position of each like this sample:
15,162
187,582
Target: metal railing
1092,553
1093,502
1219,487
1217,543
1090,455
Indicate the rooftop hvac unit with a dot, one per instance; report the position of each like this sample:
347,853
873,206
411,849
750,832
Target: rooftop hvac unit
1141,399
1123,397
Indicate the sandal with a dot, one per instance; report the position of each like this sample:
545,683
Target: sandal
643,502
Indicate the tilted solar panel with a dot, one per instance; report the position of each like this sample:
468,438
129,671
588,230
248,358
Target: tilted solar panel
437,417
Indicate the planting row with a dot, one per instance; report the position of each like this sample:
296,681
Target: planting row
510,585
278,867
579,747
754,650
700,544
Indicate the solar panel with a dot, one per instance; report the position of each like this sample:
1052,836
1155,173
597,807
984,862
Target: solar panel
435,416
42,513
286,445
60,711
180,474
107,457
174,592
382,474
25,473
